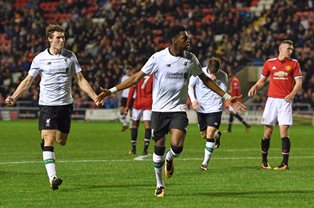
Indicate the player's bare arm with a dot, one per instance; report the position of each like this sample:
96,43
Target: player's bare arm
23,86
259,84
298,85
105,93
85,87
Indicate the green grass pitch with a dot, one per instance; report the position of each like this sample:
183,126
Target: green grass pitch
98,172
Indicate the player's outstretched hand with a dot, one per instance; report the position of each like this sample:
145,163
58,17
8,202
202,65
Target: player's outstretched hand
9,101
105,93
236,104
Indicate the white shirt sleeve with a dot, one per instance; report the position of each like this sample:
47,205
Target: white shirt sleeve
192,84
150,66
34,70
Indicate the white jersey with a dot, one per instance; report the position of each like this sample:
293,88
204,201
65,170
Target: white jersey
209,101
56,72
171,79
125,92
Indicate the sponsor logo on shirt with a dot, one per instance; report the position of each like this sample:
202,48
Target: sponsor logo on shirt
170,75
281,75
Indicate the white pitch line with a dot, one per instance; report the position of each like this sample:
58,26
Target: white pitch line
141,157
130,160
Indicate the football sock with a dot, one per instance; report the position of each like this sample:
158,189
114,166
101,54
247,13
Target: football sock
230,122
49,161
285,143
209,148
265,147
148,133
173,152
134,138
159,161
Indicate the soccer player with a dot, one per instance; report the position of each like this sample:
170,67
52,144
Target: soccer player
209,106
56,66
235,90
285,79
172,68
124,98
142,108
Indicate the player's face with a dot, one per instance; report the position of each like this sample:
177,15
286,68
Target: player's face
183,41
57,40
286,50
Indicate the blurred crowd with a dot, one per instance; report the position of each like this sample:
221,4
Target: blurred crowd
108,35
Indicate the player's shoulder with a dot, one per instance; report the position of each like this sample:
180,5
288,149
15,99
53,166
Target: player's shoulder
222,73
67,53
271,60
188,55
294,60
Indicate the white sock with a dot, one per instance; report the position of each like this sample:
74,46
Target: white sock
170,155
49,161
209,148
158,166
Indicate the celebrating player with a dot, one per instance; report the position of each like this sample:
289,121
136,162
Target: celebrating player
172,68
56,66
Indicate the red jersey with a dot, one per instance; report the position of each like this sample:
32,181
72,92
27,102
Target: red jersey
144,94
235,87
281,76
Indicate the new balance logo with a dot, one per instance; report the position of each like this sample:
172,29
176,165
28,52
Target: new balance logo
274,68
48,122
168,65
49,63
185,63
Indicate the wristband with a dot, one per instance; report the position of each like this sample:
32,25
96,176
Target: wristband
113,90
226,96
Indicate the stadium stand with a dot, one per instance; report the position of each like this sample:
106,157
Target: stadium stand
108,34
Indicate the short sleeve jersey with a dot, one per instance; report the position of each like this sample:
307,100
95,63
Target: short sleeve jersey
171,79
281,76
56,72
208,100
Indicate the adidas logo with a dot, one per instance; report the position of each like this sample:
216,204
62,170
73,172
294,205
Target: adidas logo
274,68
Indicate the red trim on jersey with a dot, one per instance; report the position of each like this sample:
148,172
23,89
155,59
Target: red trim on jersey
281,76
144,90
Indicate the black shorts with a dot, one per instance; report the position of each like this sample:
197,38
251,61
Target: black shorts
208,119
55,117
123,102
162,122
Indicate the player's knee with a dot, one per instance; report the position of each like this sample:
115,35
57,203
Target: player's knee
203,134
159,150
62,140
176,149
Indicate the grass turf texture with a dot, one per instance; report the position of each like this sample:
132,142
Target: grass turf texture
98,172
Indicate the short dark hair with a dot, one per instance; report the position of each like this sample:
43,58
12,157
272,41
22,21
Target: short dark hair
53,28
213,64
174,31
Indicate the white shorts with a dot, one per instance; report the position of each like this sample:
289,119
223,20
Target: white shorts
277,109
138,114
